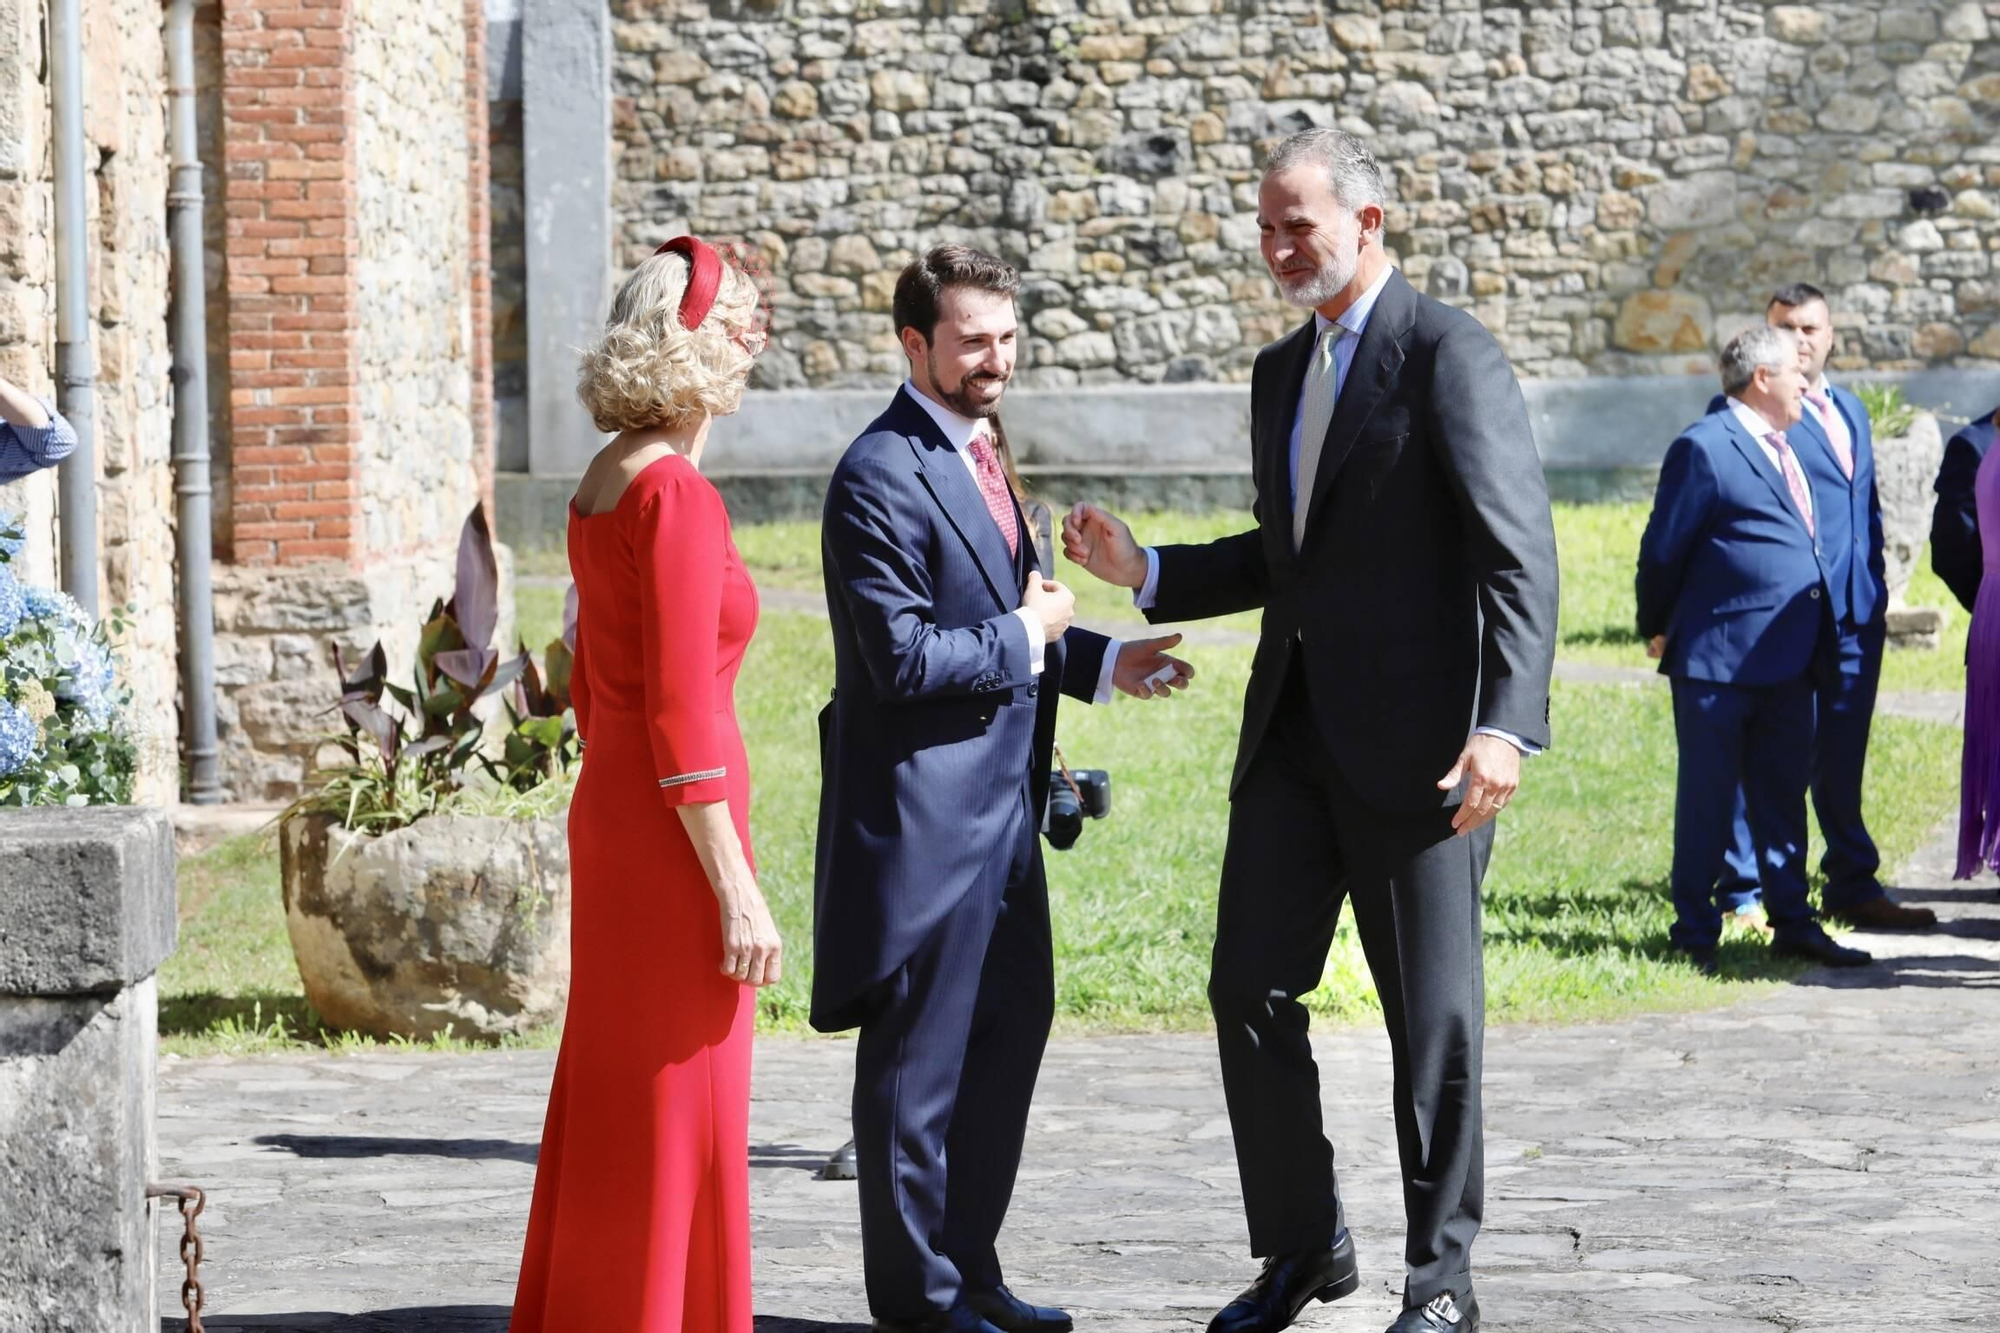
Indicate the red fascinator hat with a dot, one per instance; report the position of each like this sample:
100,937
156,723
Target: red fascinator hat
705,269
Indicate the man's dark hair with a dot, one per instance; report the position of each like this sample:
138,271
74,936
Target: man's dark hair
1796,294
920,291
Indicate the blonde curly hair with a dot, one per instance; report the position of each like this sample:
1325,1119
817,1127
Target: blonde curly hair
647,370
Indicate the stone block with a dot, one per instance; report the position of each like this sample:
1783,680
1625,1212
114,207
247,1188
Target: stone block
1659,321
86,899
76,1154
1706,199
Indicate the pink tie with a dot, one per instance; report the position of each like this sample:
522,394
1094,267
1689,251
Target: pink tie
1795,478
993,485
1841,453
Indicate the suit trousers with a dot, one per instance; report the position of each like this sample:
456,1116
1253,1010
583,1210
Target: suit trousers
1302,840
943,1073
1759,739
1845,711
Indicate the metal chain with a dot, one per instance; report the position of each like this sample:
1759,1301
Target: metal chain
192,1296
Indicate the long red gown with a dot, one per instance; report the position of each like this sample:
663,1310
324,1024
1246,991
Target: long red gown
641,1216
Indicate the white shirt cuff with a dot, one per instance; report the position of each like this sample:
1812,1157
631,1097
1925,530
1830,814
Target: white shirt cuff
1143,598
1105,687
1525,747
1038,643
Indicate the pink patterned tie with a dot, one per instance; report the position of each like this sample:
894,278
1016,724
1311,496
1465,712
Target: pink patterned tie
1841,452
993,485
1795,478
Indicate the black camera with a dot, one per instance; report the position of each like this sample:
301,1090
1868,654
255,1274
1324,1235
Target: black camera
1073,794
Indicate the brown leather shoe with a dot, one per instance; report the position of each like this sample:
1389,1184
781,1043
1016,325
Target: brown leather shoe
1885,913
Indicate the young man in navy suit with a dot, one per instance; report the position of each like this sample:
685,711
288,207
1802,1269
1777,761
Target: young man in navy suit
930,909
1834,445
1733,600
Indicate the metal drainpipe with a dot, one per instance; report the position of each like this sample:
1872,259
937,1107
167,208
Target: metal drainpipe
76,480
192,490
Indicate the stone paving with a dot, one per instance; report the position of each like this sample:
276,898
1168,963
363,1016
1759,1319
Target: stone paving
1823,1158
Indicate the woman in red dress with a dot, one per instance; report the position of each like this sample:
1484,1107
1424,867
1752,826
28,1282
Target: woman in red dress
641,1217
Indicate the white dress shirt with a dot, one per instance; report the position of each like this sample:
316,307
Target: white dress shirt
1761,430
958,432
1354,322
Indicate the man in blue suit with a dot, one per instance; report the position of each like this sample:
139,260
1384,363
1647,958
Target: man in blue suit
930,909
1733,600
1956,556
1833,443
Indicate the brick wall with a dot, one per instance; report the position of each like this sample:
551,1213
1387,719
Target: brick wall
289,192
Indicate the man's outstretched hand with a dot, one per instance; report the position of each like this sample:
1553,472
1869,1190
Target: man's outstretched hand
1103,545
1141,663
1491,769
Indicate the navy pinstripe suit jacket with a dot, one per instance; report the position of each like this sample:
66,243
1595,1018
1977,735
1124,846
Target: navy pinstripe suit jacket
936,724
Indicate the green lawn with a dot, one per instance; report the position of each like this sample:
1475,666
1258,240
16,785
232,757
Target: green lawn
1600,551
1576,899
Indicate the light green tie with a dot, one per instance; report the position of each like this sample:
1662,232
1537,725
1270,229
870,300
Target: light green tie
1315,415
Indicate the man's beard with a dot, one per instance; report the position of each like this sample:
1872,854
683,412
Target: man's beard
960,400
1323,286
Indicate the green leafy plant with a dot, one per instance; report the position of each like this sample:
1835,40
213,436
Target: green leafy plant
420,749
1890,415
543,742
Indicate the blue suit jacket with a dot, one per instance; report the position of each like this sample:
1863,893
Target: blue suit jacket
937,726
1727,570
1847,511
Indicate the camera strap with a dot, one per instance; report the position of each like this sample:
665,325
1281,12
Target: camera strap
1063,768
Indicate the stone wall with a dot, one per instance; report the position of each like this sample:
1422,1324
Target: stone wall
1609,186
418,472
125,138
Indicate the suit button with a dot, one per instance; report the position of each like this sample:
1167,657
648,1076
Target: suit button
1815,594
1034,688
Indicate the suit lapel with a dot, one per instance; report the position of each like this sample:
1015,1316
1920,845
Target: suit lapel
1753,454
1377,359
1271,446
1823,445
951,485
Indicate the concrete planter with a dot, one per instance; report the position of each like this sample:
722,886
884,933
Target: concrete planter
454,921
1906,468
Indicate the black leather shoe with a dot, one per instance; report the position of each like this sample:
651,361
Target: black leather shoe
1444,1314
959,1319
1702,960
1010,1314
1287,1283
840,1166
1815,945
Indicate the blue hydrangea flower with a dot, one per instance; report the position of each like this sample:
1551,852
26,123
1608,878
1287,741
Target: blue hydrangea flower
87,679
17,738
48,604
12,603
13,535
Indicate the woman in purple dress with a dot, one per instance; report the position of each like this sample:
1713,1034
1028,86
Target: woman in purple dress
1979,807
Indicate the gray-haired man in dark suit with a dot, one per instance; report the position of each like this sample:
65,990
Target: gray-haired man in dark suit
1405,562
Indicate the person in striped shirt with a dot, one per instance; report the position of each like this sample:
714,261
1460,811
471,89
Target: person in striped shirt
33,435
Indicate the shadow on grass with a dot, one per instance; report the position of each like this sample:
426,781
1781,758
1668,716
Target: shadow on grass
204,1012
1741,958
1604,636
438,1319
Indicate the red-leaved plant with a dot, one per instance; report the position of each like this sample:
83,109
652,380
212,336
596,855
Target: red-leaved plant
407,758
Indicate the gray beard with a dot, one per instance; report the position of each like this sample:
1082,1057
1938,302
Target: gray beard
1320,288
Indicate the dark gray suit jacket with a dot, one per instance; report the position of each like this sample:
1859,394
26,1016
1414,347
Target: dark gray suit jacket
1423,602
